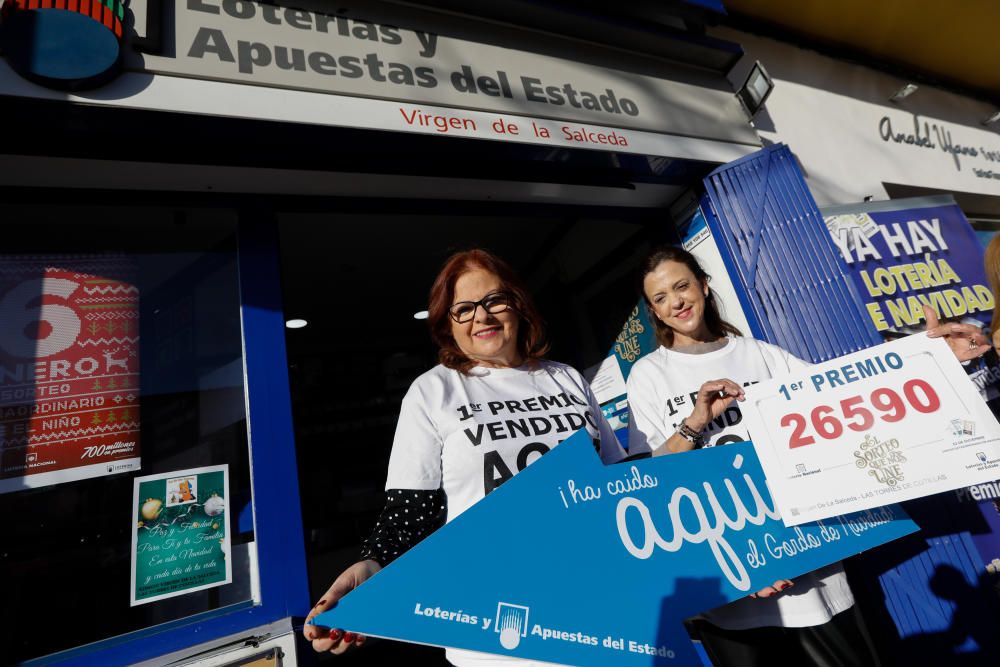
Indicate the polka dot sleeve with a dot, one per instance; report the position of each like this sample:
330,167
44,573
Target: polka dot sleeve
408,517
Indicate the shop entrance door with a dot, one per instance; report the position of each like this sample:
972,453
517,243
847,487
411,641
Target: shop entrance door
360,278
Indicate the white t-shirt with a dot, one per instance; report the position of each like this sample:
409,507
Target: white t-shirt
661,391
466,434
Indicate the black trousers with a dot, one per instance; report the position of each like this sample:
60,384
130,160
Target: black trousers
841,642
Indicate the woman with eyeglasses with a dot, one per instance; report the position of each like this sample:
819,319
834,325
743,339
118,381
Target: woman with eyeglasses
491,407
682,397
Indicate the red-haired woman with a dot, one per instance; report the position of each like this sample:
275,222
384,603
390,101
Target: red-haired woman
491,407
681,397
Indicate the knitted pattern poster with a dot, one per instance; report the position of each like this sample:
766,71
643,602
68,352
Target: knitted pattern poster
69,369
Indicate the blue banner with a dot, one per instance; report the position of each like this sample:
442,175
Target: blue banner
579,563
909,252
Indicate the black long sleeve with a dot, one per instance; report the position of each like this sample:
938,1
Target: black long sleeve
409,516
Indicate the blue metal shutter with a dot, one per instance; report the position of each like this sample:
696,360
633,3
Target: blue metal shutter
780,254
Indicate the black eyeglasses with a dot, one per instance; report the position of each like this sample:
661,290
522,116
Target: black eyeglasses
495,302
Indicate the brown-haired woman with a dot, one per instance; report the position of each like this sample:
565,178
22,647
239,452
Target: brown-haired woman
491,407
681,397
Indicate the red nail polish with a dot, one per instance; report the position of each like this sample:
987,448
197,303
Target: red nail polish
360,640
335,634
348,637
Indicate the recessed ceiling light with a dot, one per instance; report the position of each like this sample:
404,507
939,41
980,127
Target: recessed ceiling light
295,324
420,315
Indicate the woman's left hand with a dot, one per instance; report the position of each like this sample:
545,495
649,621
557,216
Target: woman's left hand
779,586
965,340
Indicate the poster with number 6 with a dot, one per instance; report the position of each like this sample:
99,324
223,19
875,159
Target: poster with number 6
891,423
69,369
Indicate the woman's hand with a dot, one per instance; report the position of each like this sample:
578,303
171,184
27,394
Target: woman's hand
711,401
778,586
713,398
336,640
966,341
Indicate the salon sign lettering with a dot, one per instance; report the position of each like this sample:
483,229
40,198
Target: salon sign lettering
894,422
578,563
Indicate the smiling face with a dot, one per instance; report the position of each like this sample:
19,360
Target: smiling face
678,300
490,339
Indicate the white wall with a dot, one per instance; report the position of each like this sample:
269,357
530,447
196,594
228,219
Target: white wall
829,112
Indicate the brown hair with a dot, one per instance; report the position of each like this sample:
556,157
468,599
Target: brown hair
713,320
991,259
531,342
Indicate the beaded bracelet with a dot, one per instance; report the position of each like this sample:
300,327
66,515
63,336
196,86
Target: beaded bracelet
694,437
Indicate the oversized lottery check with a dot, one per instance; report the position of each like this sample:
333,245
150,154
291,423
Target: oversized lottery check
890,423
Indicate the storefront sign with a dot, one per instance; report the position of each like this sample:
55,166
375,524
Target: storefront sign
180,540
583,564
906,253
894,422
69,369
938,136
433,62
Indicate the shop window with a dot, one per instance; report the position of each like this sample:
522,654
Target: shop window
120,358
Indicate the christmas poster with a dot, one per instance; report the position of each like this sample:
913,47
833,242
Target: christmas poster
69,369
180,543
907,253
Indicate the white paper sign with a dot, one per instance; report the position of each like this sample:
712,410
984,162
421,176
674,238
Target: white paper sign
894,422
606,380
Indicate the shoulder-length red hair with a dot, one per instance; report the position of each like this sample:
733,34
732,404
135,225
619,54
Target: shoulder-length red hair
531,342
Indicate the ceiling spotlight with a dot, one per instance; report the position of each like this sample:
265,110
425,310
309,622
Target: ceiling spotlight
295,324
420,315
904,92
994,117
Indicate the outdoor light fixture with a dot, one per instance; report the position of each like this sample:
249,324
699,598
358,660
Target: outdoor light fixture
754,91
904,92
994,117
295,324
420,315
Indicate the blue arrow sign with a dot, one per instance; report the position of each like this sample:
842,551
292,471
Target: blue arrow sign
579,563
